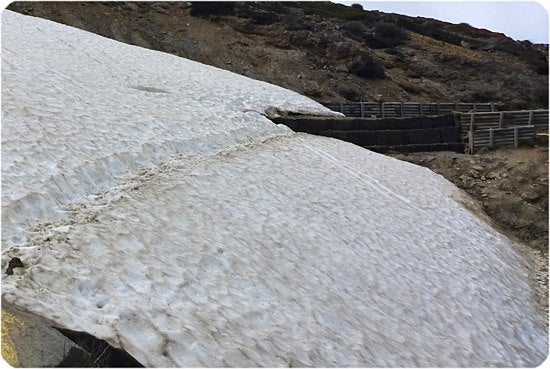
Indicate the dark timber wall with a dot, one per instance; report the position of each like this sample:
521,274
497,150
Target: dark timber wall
441,133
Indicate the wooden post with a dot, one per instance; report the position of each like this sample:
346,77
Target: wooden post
516,136
501,120
456,106
362,109
342,107
474,107
472,121
530,117
491,138
471,142
492,107
402,113
438,109
420,109
383,110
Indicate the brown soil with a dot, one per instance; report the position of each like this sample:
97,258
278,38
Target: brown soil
313,54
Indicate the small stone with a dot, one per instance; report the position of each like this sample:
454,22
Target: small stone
529,195
14,263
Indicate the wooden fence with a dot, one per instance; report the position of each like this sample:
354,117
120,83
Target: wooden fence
482,125
406,109
502,128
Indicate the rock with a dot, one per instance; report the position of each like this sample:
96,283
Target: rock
29,341
529,195
474,173
14,263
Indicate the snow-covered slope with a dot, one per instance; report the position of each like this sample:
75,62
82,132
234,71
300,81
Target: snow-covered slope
79,111
201,234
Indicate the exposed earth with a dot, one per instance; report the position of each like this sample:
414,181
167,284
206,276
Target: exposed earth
329,52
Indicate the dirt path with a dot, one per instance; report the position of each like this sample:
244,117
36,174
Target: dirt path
511,186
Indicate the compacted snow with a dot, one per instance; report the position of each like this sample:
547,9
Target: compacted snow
154,206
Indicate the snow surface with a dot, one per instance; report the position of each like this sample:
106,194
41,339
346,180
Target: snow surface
154,206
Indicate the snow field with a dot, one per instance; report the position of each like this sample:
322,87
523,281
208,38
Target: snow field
156,208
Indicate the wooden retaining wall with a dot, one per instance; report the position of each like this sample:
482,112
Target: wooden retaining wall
406,109
381,135
503,119
502,128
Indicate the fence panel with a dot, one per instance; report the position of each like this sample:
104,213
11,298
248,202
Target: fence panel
504,136
392,109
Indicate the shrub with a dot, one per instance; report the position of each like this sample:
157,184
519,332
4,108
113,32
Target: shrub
385,35
484,95
327,9
390,31
350,94
377,42
541,97
356,30
357,6
207,8
257,15
367,68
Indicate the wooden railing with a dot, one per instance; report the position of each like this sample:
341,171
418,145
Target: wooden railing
406,109
502,128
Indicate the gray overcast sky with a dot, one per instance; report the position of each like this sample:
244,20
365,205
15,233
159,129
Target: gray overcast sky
520,20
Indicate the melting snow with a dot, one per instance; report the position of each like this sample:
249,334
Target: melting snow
154,206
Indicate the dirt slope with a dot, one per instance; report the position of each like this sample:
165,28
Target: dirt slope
327,51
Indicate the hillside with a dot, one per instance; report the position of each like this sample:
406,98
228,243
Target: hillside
327,51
